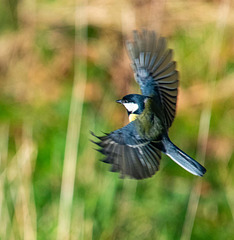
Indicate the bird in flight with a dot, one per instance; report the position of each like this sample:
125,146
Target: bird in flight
135,149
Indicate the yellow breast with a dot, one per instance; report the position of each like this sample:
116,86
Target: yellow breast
132,117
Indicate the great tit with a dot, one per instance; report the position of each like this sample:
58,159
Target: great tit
135,150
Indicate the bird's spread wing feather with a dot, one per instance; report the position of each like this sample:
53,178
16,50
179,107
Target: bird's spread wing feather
128,153
155,71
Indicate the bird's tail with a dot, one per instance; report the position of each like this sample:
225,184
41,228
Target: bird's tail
181,158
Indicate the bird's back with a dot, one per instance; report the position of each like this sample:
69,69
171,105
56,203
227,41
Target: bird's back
151,123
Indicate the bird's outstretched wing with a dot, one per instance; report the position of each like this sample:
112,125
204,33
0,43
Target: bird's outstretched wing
128,153
154,70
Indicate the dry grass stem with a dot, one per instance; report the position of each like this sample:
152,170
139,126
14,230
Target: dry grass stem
73,133
223,12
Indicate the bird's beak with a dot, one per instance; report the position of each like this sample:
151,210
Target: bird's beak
119,101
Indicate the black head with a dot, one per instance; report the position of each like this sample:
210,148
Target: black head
134,103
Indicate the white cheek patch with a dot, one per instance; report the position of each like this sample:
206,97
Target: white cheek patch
131,107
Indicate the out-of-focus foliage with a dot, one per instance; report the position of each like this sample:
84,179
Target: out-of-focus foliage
43,50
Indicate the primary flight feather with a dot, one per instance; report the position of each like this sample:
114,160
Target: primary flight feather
135,150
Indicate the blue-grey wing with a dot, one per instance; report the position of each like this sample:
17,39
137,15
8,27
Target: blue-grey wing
154,70
128,153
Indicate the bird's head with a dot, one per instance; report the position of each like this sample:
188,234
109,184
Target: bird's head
134,104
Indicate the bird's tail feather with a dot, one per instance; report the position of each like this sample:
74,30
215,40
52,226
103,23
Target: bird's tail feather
181,158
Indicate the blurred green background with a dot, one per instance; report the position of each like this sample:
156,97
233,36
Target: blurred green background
62,66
